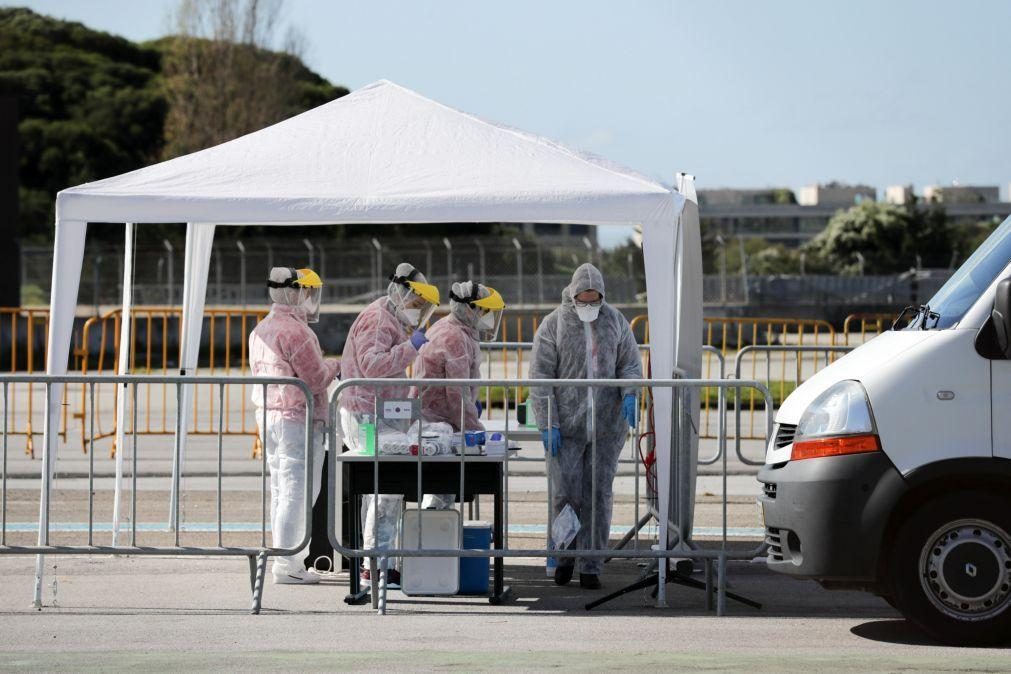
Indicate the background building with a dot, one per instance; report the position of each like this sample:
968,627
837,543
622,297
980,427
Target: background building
778,215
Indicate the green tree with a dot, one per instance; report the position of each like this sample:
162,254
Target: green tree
94,105
223,79
879,238
89,103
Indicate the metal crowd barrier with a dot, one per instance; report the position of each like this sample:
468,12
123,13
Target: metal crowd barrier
682,429
710,354
870,325
257,554
23,337
796,350
153,331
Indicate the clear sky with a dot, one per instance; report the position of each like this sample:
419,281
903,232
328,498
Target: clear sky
740,93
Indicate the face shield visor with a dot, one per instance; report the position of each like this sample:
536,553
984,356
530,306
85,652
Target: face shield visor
489,310
414,302
488,325
303,289
309,300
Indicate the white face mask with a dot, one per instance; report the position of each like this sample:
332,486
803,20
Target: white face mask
487,321
588,314
412,316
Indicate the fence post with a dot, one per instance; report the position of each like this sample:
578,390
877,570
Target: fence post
312,252
170,282
519,269
480,259
95,264
449,260
242,272
540,276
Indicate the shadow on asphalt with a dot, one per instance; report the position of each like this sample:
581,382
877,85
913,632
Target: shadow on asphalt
900,632
780,596
893,632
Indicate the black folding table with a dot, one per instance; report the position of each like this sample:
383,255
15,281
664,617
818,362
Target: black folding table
398,474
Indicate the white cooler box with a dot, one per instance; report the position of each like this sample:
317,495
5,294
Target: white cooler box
440,530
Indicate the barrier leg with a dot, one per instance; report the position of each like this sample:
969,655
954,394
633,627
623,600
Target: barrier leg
374,579
384,581
259,564
708,563
252,572
721,585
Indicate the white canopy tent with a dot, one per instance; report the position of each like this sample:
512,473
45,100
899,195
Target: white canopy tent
382,155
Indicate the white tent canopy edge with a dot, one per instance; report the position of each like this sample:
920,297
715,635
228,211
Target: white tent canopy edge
512,186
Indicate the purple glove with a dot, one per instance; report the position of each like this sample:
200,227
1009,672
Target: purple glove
418,339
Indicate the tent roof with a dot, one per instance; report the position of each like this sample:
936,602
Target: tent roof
381,154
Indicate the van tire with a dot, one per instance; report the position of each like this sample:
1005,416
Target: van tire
950,571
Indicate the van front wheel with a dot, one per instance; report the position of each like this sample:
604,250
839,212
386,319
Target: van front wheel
951,568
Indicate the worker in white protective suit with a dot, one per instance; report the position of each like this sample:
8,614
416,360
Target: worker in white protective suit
382,342
283,345
454,352
584,338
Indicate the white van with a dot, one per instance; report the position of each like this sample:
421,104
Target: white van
890,470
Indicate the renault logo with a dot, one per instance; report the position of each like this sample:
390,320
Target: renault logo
970,570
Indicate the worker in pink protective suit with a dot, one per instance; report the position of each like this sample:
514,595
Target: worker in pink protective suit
382,342
283,345
454,352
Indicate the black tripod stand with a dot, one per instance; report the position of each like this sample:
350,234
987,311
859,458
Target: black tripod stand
679,575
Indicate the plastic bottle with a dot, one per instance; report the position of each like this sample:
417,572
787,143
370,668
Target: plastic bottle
367,435
530,421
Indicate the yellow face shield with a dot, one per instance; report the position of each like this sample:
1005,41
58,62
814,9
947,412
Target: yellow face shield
310,289
425,291
493,302
307,278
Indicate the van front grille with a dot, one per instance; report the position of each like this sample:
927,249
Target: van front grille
785,434
773,539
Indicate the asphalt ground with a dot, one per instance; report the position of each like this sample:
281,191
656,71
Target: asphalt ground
116,614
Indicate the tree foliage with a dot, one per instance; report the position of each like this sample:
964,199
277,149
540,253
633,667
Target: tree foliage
223,80
89,103
880,238
94,105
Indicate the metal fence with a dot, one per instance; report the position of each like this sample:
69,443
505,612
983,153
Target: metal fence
526,271
23,337
154,349
676,521
815,290
45,545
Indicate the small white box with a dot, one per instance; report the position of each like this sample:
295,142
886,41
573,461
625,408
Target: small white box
440,530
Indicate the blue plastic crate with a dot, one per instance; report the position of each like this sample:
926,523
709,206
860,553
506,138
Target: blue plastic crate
474,570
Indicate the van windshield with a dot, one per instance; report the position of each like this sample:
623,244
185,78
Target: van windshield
974,276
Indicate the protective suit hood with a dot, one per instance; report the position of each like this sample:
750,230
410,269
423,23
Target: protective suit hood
586,277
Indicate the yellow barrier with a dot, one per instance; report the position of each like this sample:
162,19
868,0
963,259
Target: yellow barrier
23,328
729,334
870,326
152,330
160,325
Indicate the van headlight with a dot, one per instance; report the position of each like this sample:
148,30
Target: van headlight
837,422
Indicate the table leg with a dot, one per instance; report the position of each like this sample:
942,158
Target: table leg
499,590
355,593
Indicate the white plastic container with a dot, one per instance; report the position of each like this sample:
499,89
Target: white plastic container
495,444
440,530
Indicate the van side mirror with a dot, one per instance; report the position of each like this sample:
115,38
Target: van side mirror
1001,316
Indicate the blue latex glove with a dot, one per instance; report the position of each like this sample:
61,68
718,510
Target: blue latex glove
480,408
418,339
630,409
552,440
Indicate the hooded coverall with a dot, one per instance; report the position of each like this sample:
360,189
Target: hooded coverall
567,348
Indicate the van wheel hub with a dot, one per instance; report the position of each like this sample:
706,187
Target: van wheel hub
966,569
